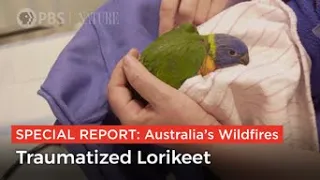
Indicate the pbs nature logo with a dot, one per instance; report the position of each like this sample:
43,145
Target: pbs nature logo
26,18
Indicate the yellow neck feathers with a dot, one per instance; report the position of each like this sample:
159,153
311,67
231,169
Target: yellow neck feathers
212,50
208,64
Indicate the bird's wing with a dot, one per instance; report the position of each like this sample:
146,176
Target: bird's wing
175,60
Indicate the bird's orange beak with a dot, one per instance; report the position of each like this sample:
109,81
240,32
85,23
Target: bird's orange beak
207,67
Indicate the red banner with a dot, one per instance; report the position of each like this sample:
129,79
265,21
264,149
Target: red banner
146,134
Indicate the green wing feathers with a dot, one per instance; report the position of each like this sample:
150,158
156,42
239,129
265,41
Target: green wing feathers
175,60
175,56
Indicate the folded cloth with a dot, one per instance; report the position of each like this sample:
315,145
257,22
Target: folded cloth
274,89
308,15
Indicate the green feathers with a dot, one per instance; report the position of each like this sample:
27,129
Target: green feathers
176,55
183,53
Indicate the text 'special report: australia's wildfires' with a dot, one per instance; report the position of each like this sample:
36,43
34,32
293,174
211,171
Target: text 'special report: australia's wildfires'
150,135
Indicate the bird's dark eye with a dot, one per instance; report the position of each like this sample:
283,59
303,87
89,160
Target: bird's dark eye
232,52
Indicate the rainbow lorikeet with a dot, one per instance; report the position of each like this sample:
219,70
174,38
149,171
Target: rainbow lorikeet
183,53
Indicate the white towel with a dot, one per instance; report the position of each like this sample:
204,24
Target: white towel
274,89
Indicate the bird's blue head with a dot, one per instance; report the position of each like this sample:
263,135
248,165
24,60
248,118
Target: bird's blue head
229,51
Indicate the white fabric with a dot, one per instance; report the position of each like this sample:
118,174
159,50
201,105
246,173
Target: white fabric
274,89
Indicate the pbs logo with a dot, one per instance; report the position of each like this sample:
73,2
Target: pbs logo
26,18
